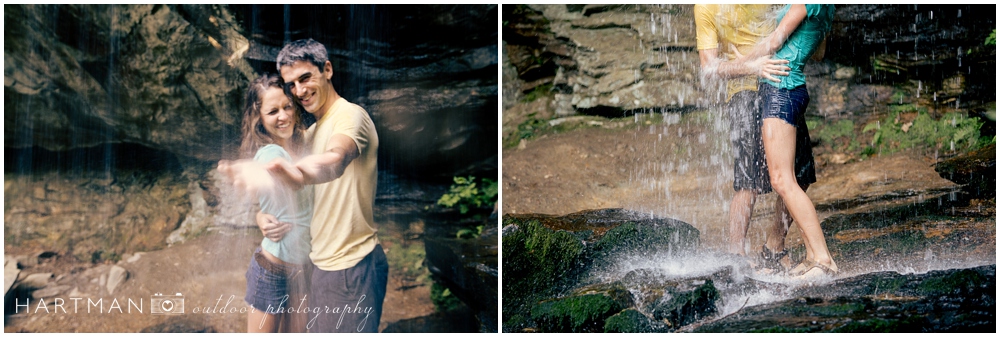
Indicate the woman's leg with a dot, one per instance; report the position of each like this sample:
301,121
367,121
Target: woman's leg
259,321
779,151
296,318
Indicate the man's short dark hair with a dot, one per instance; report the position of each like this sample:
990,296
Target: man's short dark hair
303,50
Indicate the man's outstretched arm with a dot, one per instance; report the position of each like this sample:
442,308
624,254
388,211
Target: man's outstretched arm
310,170
317,168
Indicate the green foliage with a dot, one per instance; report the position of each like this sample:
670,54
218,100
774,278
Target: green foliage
443,299
898,96
812,124
469,233
539,91
526,130
466,194
992,39
405,258
953,132
838,133
896,109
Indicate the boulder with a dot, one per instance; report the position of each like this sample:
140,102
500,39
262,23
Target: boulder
116,276
975,170
547,255
585,310
10,273
35,281
50,291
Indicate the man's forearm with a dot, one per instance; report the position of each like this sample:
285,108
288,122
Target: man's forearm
322,168
713,67
729,70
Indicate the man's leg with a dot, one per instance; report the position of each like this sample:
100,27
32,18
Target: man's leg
749,167
775,240
740,211
350,300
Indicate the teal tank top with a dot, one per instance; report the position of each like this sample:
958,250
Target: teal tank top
294,207
802,43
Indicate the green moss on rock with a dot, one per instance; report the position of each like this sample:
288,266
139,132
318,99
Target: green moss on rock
537,262
648,237
954,283
872,325
782,329
629,321
578,313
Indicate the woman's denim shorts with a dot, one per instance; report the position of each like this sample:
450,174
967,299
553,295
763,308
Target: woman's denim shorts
788,105
271,286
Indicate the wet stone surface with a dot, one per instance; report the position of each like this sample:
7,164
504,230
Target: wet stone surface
957,300
542,260
574,288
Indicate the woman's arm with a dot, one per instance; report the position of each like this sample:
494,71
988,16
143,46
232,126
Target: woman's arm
770,44
754,61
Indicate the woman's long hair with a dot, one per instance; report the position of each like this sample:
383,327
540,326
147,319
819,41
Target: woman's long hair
254,134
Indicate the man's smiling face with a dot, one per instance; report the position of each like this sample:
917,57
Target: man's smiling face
309,84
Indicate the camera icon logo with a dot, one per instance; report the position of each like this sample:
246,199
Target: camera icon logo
161,304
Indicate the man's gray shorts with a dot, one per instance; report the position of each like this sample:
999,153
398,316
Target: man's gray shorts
349,300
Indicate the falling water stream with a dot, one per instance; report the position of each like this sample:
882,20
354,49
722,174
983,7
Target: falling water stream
676,163
708,133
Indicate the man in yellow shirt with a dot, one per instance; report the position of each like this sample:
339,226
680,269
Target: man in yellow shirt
348,282
733,30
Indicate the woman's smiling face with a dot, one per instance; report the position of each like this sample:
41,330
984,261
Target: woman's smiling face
277,114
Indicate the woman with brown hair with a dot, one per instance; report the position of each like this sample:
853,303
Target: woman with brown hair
272,128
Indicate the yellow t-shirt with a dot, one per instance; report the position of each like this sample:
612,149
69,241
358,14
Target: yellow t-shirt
727,26
343,226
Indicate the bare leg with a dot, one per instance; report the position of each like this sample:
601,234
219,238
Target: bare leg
296,321
259,321
740,211
779,149
775,240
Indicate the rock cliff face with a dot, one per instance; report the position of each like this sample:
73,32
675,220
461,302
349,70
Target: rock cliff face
618,59
83,75
172,77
